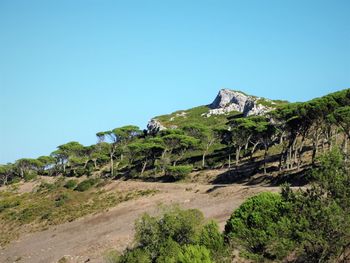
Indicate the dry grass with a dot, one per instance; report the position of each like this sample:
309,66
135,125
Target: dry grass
52,204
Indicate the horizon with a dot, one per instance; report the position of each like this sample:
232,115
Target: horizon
72,69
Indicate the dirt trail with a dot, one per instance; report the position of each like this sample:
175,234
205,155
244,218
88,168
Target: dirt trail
87,239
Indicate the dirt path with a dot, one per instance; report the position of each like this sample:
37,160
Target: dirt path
87,239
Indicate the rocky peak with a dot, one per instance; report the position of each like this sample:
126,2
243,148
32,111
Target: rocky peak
230,100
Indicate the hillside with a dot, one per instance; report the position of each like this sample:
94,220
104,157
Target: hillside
211,158
227,103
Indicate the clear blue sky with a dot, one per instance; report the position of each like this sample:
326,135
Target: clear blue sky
71,68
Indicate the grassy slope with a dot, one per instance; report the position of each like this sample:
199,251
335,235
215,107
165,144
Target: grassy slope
194,116
53,204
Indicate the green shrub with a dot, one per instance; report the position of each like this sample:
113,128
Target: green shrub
135,256
86,185
178,172
211,238
169,252
111,256
71,184
29,176
61,199
48,186
9,203
257,222
194,254
80,171
163,236
15,180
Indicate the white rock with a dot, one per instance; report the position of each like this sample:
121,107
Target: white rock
229,100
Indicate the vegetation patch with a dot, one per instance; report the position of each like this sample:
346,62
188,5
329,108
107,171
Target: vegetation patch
178,172
53,204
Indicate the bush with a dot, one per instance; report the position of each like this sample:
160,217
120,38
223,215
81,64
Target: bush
14,180
71,184
48,186
162,238
61,199
211,238
135,256
29,176
9,203
169,252
178,172
194,254
86,185
257,222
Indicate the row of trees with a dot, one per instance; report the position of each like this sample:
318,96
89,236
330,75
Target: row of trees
292,129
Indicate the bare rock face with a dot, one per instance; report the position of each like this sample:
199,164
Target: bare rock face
230,100
154,126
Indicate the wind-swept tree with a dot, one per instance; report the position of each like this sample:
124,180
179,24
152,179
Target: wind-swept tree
178,144
47,164
66,151
242,130
342,118
118,137
6,173
265,131
205,135
146,151
26,165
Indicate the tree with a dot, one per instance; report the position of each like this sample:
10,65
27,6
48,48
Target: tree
265,131
25,165
47,163
242,130
342,118
118,137
226,139
66,151
6,172
205,135
98,153
147,152
178,144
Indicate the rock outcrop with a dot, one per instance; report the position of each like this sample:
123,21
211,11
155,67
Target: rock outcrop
226,101
230,100
154,126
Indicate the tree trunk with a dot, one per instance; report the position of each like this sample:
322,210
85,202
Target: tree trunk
265,155
163,153
300,153
238,152
5,179
144,167
253,150
315,148
280,161
203,160
346,147
111,164
289,159
229,161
